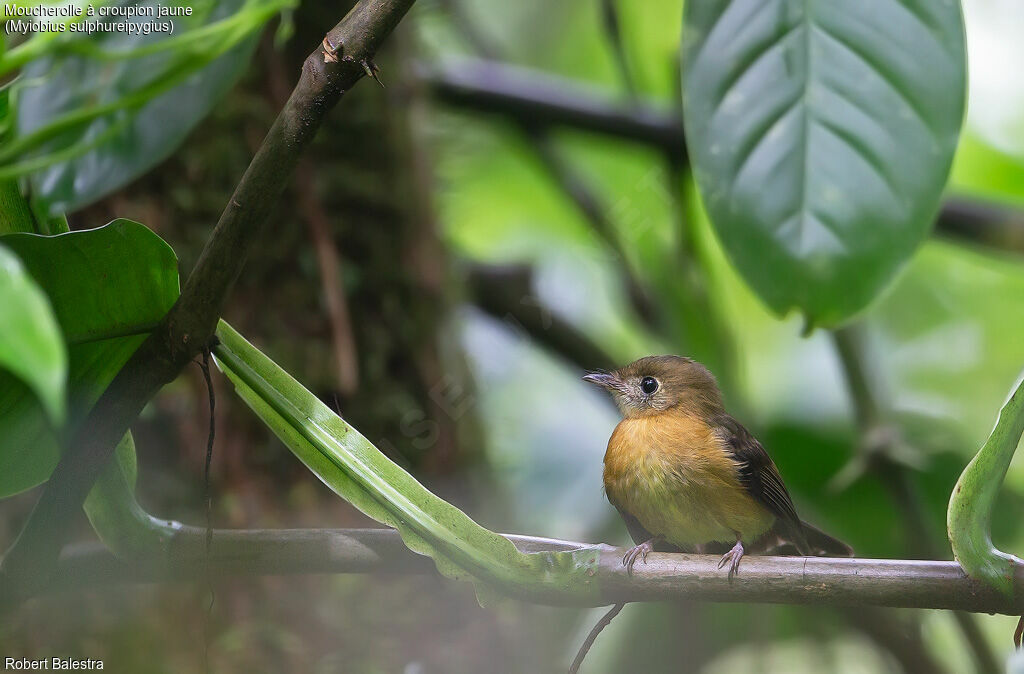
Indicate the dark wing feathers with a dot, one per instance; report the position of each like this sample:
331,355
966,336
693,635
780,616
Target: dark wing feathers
760,477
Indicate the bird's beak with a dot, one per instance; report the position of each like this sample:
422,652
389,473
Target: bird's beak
606,381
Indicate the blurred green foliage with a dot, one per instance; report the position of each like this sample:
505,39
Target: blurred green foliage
95,111
943,344
943,338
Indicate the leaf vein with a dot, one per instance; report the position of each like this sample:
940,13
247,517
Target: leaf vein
858,148
744,67
759,136
879,72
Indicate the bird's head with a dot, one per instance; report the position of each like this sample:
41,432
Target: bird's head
658,383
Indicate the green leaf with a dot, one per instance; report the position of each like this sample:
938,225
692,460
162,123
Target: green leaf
150,101
969,516
108,288
112,281
350,465
31,347
116,516
821,134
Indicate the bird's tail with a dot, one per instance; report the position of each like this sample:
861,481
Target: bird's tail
823,545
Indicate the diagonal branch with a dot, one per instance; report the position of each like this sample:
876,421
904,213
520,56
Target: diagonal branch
506,293
537,133
334,67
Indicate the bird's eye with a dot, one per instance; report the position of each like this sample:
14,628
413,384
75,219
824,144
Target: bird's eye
648,385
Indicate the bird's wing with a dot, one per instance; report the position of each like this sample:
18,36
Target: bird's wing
760,477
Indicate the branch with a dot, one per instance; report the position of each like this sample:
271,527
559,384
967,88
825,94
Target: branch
506,293
989,224
573,185
189,326
531,97
526,95
613,33
665,577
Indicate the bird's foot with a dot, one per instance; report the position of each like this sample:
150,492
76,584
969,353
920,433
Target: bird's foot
641,551
732,558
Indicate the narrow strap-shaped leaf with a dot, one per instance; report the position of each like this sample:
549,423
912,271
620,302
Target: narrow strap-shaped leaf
350,465
968,519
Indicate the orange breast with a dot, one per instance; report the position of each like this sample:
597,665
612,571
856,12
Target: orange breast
672,472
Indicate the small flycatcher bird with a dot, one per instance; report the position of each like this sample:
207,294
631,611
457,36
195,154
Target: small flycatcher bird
680,470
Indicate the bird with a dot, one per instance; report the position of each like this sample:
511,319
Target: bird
686,476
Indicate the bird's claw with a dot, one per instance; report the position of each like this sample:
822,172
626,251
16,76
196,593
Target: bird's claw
641,551
732,558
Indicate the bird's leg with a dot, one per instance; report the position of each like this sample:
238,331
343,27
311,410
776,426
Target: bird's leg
732,558
641,551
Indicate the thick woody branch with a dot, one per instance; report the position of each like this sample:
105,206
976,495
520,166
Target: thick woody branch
665,577
343,58
542,100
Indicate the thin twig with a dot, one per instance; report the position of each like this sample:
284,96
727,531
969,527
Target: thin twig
469,30
208,498
605,620
346,359
612,25
571,182
577,189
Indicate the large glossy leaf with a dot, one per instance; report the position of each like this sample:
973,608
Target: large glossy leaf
108,288
174,89
821,134
31,346
349,464
969,516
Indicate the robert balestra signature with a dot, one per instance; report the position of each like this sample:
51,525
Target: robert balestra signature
52,664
